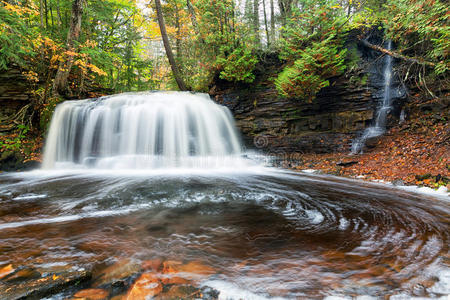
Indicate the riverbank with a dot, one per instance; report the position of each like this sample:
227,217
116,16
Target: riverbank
415,153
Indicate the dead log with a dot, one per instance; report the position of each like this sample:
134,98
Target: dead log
397,55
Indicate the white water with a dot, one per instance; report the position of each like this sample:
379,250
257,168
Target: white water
142,131
380,121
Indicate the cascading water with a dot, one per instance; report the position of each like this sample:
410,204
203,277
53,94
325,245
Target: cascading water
380,121
141,131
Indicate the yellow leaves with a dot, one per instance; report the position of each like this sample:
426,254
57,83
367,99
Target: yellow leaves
55,59
97,70
31,76
17,9
70,53
152,30
89,44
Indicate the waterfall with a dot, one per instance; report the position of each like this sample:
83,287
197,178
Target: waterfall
379,127
142,131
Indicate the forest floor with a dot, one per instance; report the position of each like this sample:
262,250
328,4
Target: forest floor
414,153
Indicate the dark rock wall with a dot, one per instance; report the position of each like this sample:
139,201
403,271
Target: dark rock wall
327,124
15,92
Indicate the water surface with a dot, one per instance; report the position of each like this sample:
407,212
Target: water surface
267,233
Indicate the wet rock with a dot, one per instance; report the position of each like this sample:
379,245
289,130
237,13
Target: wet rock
118,273
372,142
174,280
6,270
398,182
14,161
22,274
148,285
188,292
171,266
196,267
44,286
346,163
326,124
153,264
423,177
181,292
189,271
210,293
92,294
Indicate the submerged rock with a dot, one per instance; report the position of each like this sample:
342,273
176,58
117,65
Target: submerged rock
117,273
148,285
22,274
181,292
6,270
37,288
92,294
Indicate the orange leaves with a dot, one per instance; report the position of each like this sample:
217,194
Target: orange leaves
417,148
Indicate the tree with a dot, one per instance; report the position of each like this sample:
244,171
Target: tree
312,46
168,48
60,83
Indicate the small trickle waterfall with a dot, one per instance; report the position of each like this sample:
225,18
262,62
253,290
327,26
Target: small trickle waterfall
379,127
142,131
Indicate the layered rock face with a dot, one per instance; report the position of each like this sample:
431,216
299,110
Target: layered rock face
327,124
15,92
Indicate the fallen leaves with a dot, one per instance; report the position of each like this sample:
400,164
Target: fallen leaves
404,153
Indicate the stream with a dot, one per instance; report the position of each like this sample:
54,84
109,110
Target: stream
266,232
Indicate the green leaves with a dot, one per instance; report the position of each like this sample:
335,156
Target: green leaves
421,27
310,72
312,46
238,66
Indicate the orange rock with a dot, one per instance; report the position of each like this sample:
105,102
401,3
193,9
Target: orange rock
174,280
119,297
181,292
197,267
122,269
92,294
6,270
147,285
171,266
153,264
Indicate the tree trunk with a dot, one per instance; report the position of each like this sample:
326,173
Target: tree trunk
178,37
398,55
349,8
256,20
169,53
41,12
46,14
58,13
60,82
272,21
265,24
194,20
285,10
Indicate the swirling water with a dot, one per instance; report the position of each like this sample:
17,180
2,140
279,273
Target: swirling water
268,233
148,180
